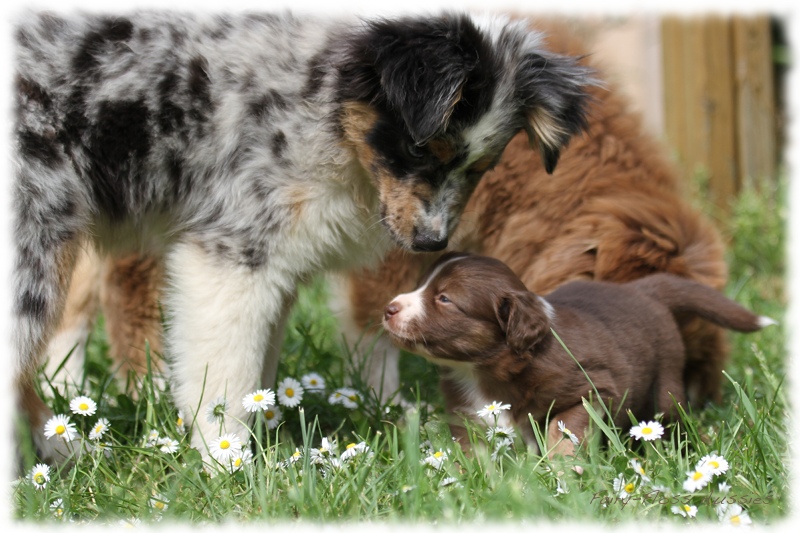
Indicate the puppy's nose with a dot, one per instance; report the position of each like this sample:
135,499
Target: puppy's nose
391,310
426,242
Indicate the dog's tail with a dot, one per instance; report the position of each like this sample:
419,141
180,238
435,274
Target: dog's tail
687,297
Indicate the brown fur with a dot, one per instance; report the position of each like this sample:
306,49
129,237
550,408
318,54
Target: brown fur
475,318
613,210
130,302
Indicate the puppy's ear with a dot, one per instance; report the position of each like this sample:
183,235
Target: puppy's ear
418,67
552,92
523,319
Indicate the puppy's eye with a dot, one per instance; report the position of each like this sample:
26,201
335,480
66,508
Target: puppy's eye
444,299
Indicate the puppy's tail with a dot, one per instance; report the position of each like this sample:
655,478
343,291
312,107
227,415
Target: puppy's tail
686,297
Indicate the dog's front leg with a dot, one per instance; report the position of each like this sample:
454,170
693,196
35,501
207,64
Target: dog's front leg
220,316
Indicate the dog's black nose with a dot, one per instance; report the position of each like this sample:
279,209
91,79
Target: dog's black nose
424,242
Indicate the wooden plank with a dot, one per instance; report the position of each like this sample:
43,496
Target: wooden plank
720,110
674,86
755,98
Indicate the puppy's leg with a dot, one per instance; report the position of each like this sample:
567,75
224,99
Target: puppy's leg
129,297
576,420
277,332
80,312
671,387
219,315
48,229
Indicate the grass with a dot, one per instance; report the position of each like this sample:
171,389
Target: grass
132,482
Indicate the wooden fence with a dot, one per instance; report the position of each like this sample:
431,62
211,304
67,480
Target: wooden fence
719,99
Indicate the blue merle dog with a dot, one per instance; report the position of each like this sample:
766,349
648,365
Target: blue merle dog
250,152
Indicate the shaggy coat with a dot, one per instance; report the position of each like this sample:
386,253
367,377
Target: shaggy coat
613,210
492,339
251,151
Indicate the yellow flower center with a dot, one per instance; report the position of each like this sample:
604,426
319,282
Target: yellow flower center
697,475
99,428
647,430
735,520
258,397
237,462
83,407
641,470
714,464
351,445
687,508
296,454
60,429
629,488
269,415
224,445
59,512
438,454
39,479
180,421
290,393
159,505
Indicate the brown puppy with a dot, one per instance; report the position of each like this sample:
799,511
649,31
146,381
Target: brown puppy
491,337
614,210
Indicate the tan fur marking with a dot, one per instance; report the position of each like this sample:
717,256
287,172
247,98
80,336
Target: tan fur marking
444,151
357,121
130,304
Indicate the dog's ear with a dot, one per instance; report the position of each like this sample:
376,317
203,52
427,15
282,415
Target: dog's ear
523,319
552,91
418,67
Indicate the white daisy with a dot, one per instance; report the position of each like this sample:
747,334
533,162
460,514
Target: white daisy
83,405
290,392
40,475
713,463
151,439
273,415
637,467
647,431
733,514
296,456
159,502
685,510
353,449
57,508
60,426
345,396
258,400
446,482
561,487
436,460
724,487
572,436
240,459
99,429
326,451
696,480
500,448
494,408
167,445
180,424
99,446
499,432
313,382
623,487
223,448
216,411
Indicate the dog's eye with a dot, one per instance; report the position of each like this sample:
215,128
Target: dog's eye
415,151
444,299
